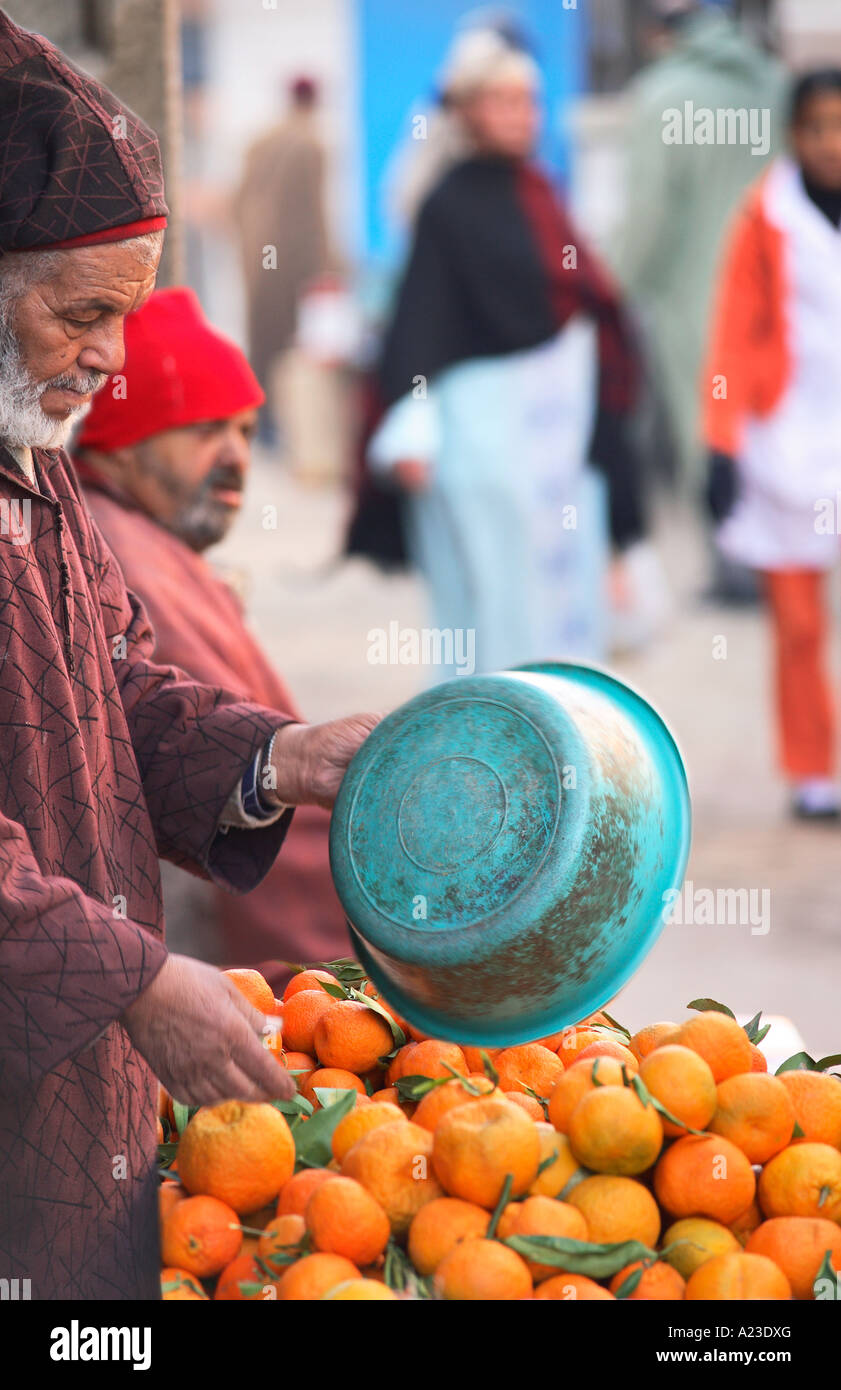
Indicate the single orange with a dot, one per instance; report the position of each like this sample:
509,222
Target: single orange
616,1209
351,1036
254,987
817,1105
758,1062
803,1180
576,1081
243,1281
659,1283
532,1107
394,1162
297,1191
433,1058
359,1122
201,1235
373,993
756,1112
308,979
573,1288
799,1246
344,1219
302,1064
541,1216
612,1131
737,1278
720,1041
652,1035
553,1177
282,1237
575,1039
478,1270
705,1176
688,1243
473,1056
682,1082
606,1047
389,1095
301,1013
180,1286
439,1226
361,1291
401,1064
237,1151
477,1145
314,1276
435,1104
528,1067
332,1079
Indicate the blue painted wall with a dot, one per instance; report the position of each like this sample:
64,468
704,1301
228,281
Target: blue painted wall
401,44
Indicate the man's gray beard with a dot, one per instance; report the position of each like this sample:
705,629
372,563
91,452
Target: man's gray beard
23,422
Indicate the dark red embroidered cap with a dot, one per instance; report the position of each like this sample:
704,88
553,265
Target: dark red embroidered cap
76,166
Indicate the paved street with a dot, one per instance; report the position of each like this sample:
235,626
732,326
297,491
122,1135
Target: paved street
314,617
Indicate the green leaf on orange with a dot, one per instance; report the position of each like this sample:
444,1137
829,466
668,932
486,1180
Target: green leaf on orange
416,1086
638,1085
398,1036
502,1203
827,1285
580,1256
313,1138
489,1068
710,1006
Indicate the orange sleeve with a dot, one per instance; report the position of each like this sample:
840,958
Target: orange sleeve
747,364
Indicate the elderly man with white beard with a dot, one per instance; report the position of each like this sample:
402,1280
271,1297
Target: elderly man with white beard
110,761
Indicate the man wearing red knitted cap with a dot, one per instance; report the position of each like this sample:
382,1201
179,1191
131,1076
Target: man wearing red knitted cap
110,760
163,456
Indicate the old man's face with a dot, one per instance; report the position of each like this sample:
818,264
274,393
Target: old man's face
61,333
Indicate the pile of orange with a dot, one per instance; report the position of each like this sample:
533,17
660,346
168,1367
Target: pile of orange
432,1170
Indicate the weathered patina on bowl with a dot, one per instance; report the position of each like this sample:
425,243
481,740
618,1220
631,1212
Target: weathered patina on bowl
502,845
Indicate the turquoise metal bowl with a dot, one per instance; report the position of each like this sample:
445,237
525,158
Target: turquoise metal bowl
502,845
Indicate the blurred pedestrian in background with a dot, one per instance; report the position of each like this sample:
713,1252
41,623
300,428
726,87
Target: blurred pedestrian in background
279,208
507,354
680,194
772,392
164,456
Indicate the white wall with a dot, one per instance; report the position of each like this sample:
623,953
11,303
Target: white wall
272,42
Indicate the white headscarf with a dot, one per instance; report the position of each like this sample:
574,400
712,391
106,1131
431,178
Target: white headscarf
477,58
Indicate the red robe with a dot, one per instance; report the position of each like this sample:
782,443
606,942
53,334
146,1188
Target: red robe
294,913
109,760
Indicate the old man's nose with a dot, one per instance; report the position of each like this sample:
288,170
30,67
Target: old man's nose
104,349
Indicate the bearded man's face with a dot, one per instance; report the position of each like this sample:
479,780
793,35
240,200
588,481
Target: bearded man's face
61,334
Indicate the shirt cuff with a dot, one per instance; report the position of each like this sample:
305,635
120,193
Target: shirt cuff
246,808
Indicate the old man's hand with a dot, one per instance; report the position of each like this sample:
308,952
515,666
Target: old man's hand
202,1039
310,760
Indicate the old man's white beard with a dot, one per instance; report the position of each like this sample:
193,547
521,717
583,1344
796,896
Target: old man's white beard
23,422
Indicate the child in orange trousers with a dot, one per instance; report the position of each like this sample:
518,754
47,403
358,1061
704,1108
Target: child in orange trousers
772,410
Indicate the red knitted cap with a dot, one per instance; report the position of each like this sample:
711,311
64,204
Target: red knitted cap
178,371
